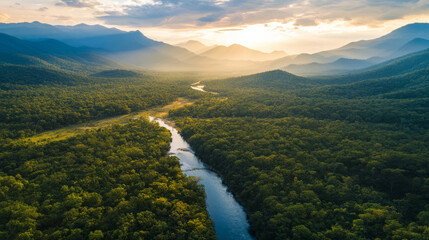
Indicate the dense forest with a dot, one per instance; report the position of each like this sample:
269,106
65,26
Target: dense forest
114,183
341,157
52,54
36,99
311,161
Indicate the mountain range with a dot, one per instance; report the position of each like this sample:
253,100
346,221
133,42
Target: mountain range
37,30
417,61
405,77
235,52
127,48
95,45
52,54
195,46
339,66
402,41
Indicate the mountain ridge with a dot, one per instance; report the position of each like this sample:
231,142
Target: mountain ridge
195,46
50,53
395,67
239,52
384,46
134,48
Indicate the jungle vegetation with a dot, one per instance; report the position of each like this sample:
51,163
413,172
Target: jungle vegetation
310,159
112,183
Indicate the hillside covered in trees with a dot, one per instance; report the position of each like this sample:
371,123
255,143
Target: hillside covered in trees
339,157
34,99
313,160
116,182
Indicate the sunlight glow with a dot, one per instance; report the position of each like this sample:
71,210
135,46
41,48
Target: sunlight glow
294,34
284,36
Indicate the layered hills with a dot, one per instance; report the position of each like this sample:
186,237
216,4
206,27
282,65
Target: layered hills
136,50
405,40
51,53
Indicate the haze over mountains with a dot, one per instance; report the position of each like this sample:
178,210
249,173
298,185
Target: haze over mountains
50,53
233,52
330,157
402,41
37,30
134,49
195,46
336,67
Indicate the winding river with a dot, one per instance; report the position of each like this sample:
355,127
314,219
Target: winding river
198,87
228,215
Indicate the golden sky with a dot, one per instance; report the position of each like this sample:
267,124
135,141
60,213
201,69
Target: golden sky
288,25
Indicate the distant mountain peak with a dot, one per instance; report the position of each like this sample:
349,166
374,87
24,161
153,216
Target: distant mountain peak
414,25
37,30
134,33
238,47
419,40
278,52
415,45
239,52
417,30
138,35
194,46
195,41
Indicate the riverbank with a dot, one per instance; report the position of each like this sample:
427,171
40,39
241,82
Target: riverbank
229,217
198,87
74,130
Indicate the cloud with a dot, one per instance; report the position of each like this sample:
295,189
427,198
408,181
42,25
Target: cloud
210,18
42,9
305,22
232,13
166,12
229,30
63,18
4,17
78,3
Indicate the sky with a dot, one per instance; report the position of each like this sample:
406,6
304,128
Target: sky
292,26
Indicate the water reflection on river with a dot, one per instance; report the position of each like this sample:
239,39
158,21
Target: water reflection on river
228,216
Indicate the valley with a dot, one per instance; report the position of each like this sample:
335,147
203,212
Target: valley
71,131
108,134
230,220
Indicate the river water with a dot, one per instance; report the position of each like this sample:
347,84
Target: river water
229,218
198,87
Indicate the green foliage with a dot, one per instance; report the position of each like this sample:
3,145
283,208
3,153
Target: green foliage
307,161
118,73
273,80
114,183
51,54
411,85
36,99
403,65
327,177
319,162
20,75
